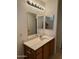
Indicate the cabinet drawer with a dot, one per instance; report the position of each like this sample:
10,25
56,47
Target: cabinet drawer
28,50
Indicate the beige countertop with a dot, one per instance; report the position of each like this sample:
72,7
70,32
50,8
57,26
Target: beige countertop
37,42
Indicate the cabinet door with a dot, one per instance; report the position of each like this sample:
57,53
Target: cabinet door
39,53
46,51
39,56
52,47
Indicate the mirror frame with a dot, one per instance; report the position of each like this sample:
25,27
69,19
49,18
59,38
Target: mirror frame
27,23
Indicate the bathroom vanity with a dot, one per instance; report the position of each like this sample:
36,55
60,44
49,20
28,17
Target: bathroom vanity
39,49
40,43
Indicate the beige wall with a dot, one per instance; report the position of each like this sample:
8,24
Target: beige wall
22,25
59,25
51,7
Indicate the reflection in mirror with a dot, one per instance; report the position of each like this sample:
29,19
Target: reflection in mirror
40,22
32,24
49,22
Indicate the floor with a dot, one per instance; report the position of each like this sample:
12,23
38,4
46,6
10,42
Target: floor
58,55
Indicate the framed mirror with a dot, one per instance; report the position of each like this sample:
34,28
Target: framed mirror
31,23
49,22
40,21
40,24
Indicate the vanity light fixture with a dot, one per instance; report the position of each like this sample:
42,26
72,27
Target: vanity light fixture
34,5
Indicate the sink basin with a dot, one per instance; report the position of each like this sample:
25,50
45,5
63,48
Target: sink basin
33,41
37,42
45,37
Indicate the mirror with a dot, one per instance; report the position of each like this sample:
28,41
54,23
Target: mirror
49,22
40,22
32,23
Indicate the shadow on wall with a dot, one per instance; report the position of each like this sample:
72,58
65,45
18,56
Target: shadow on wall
59,26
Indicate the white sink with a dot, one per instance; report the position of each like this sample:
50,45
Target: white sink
33,41
38,42
45,37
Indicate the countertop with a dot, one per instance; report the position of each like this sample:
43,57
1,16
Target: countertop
37,42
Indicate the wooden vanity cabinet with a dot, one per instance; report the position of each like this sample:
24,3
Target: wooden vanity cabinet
51,46
31,54
43,52
46,51
39,54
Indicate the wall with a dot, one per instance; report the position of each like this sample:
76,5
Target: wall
59,25
21,26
